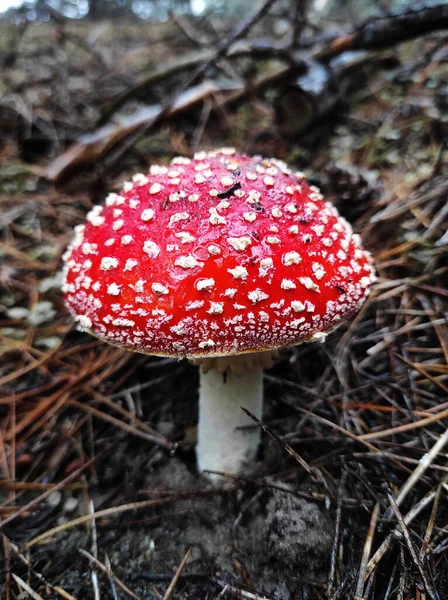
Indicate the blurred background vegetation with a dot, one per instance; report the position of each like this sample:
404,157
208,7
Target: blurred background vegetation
159,10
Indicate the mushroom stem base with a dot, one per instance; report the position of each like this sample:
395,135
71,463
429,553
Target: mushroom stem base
227,438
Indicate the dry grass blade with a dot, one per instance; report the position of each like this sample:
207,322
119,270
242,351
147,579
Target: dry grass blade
424,463
93,573
366,552
404,428
26,588
111,579
396,208
432,521
356,438
132,429
285,446
337,536
171,587
417,562
407,519
57,589
42,497
31,367
24,485
107,512
240,593
424,370
108,571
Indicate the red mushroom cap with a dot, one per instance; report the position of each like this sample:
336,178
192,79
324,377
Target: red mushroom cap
213,256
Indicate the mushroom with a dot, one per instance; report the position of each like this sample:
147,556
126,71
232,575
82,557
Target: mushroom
222,259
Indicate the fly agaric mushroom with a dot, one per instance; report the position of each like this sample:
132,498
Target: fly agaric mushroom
222,259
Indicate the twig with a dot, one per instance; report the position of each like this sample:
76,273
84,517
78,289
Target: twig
299,22
188,32
239,33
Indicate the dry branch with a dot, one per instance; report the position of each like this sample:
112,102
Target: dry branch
92,147
388,30
376,34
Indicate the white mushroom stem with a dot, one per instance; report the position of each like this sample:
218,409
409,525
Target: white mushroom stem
227,438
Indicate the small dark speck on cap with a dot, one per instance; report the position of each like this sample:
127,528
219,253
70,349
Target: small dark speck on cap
228,193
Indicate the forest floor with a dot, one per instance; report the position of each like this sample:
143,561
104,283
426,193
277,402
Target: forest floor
100,497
